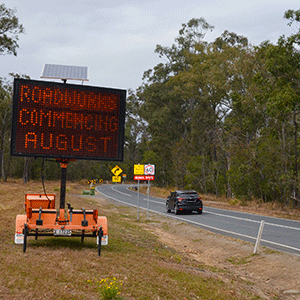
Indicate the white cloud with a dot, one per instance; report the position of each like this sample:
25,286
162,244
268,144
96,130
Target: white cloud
116,39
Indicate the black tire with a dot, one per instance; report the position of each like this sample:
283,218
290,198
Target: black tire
25,232
199,211
100,234
167,207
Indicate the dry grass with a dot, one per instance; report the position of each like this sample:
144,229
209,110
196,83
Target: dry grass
59,268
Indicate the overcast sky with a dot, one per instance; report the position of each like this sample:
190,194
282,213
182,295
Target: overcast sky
116,39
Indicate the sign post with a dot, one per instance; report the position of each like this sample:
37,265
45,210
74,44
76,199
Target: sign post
149,171
144,172
148,199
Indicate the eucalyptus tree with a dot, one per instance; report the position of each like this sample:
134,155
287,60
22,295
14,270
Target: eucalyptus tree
215,76
163,108
5,123
279,84
10,29
135,133
9,35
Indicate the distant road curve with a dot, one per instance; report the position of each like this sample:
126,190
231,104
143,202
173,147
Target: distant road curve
278,234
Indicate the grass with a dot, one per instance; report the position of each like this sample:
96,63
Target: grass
240,260
65,268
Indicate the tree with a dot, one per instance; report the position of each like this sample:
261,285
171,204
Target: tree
27,160
294,17
5,123
167,112
207,87
9,31
9,35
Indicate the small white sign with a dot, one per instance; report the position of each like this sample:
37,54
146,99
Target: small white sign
19,238
104,240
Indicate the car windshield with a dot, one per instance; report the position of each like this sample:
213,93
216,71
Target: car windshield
188,195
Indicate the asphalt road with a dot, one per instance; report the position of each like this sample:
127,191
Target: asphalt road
278,234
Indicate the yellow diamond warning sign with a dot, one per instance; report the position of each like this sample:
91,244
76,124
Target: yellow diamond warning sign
116,170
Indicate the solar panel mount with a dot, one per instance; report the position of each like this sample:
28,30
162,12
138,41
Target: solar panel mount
65,72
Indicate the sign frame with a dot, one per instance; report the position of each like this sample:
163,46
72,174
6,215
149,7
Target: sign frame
93,143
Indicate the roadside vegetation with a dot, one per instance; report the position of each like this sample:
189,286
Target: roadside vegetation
219,116
135,264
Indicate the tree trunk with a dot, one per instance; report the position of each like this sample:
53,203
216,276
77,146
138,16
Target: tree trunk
229,192
295,189
2,164
203,172
26,170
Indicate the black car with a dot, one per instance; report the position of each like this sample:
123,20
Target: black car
180,201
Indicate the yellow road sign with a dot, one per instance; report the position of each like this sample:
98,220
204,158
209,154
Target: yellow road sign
116,179
138,169
116,170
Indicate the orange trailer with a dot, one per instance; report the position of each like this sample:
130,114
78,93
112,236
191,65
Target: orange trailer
42,219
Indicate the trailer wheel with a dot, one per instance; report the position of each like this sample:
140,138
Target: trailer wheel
100,234
25,232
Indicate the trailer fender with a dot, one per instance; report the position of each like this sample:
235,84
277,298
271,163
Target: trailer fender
102,221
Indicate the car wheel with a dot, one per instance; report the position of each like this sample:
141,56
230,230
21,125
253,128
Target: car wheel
199,211
167,207
176,210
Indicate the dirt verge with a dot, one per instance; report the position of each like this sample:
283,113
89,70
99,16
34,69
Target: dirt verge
269,274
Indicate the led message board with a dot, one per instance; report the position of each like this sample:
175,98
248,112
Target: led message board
67,121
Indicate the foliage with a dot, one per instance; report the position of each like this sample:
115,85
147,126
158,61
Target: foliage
221,117
9,31
5,124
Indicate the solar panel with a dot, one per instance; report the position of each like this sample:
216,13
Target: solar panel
65,72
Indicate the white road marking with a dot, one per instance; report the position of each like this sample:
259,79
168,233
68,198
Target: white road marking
121,192
208,226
